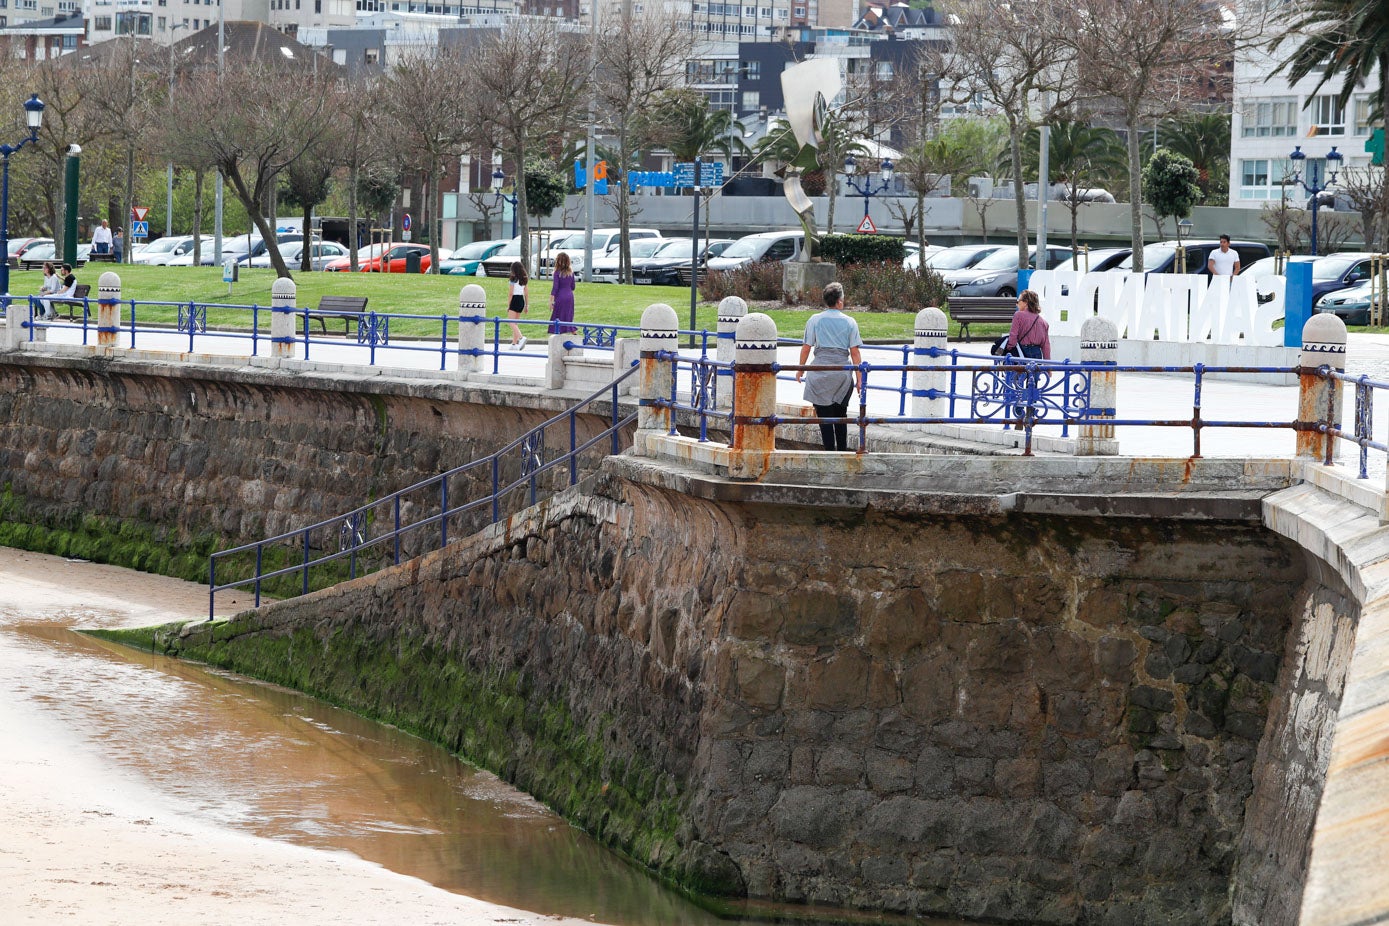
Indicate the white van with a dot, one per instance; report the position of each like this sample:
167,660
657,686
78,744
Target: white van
778,246
605,241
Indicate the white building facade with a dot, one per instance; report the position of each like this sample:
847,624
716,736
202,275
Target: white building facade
1271,116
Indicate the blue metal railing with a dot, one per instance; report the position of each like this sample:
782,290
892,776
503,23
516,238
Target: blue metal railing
418,517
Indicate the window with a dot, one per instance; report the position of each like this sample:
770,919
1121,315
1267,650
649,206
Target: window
1362,116
1328,117
318,6
163,24
751,70
1262,178
101,24
800,12
751,100
1270,118
372,56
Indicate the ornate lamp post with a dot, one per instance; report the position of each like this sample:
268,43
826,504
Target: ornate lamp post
498,180
33,114
868,189
1312,183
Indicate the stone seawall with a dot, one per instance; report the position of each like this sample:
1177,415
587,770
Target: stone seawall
989,715
155,465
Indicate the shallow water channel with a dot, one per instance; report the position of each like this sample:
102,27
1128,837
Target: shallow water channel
274,763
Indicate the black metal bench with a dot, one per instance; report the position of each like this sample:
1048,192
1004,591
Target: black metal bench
981,310
27,264
109,257
347,308
77,300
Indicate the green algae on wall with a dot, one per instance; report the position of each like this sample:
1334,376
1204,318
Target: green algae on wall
489,719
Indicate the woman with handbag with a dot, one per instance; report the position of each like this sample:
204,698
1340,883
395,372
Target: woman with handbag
1028,339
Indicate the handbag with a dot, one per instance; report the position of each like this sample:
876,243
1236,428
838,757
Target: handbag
999,347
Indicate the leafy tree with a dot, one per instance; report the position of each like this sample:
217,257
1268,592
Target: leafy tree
1204,138
1169,184
683,124
545,189
1078,154
306,183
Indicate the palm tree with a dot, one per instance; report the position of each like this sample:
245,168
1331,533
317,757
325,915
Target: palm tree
682,123
1204,138
1080,154
780,145
1345,39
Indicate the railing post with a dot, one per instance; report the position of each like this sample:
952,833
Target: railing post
931,330
659,334
472,308
1099,347
284,293
754,397
1319,397
731,312
108,313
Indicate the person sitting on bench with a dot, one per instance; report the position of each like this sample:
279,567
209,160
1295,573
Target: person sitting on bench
62,295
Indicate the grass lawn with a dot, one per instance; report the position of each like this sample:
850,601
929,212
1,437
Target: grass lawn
427,294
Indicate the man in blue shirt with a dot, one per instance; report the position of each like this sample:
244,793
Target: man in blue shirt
835,339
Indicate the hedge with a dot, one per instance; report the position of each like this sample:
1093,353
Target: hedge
862,249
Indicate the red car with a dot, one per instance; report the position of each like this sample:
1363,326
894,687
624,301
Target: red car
369,260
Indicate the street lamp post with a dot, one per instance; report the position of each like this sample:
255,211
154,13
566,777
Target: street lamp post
867,189
33,115
498,179
1184,227
1312,183
169,197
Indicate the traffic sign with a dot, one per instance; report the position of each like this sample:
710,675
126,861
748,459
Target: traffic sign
405,223
139,229
866,227
139,212
710,174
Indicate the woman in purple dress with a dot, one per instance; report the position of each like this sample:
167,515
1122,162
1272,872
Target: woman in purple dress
562,296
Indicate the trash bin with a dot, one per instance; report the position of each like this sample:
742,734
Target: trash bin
412,262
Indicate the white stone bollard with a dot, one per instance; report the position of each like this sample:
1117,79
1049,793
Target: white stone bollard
108,312
472,329
284,296
659,333
1319,398
1099,344
17,317
754,397
731,312
626,352
932,330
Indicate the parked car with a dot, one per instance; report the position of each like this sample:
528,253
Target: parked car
390,255
997,274
259,247
605,267
499,264
16,246
961,256
605,243
913,259
1096,260
1330,272
322,254
207,254
1162,256
767,246
663,267
467,260
1352,305
49,251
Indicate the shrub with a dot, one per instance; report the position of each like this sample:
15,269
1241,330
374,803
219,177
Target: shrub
889,287
759,281
862,249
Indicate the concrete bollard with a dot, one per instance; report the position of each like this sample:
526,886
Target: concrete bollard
626,351
17,317
659,333
931,329
108,312
472,331
1099,344
731,312
754,397
1319,398
284,296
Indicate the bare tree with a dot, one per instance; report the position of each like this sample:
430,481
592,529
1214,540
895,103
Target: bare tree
523,85
1364,187
639,58
254,142
420,98
1149,59
1017,57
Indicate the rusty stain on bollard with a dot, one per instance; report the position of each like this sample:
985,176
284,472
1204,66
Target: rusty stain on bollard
108,309
1319,396
754,397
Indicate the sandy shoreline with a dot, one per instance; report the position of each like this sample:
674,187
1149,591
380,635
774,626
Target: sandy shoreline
82,841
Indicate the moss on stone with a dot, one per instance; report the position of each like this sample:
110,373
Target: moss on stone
490,719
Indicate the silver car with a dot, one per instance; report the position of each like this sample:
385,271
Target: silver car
293,253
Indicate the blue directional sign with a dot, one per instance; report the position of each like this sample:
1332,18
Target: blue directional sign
709,174
139,229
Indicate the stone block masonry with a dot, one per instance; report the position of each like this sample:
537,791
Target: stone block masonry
1000,716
